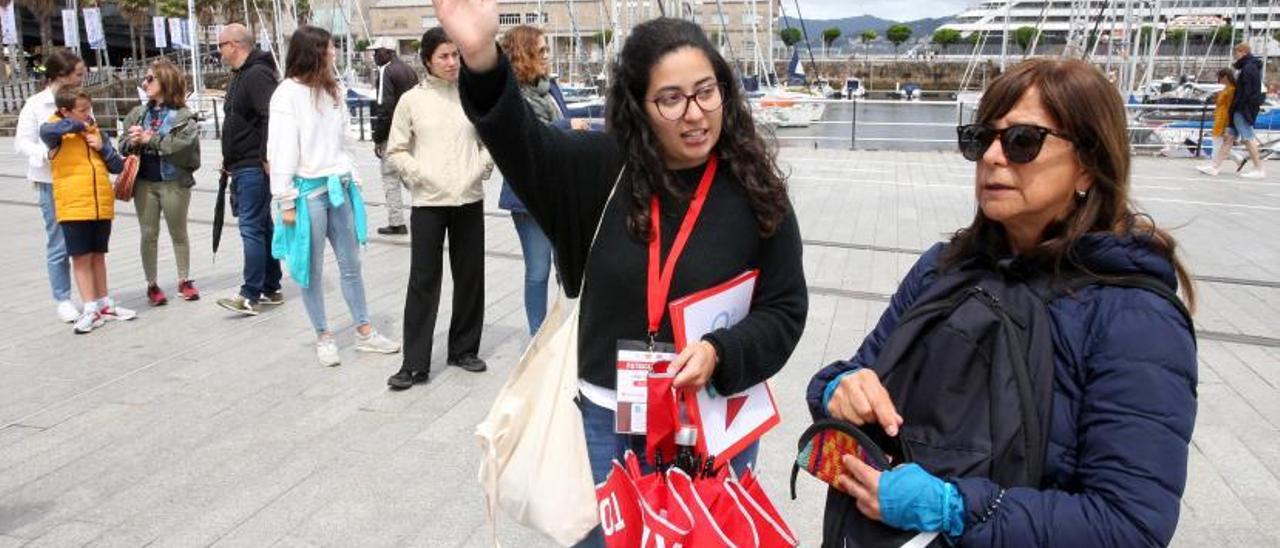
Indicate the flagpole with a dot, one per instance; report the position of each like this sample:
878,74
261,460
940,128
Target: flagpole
195,49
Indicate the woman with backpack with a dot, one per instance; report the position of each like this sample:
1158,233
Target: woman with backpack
1103,437
166,135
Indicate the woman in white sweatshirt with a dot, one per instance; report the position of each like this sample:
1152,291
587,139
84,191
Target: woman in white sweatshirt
61,69
313,185
441,160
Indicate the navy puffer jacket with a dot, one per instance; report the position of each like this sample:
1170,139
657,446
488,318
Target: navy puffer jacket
1124,404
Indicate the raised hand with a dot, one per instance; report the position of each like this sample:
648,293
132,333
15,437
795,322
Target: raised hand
473,27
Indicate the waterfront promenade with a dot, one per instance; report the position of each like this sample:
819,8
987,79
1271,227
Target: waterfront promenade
194,427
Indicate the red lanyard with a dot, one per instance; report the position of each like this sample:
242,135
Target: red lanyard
660,275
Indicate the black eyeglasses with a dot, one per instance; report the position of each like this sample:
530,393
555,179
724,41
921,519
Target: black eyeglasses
225,43
148,79
673,105
1021,142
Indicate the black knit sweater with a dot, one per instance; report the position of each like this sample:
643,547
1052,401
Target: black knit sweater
564,179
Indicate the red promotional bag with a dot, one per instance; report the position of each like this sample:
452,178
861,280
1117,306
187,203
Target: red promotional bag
619,506
773,530
663,520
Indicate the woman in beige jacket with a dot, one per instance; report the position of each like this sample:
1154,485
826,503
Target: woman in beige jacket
442,162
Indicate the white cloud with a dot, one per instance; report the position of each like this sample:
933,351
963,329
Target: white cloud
897,10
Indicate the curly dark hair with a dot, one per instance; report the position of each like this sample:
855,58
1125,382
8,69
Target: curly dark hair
741,146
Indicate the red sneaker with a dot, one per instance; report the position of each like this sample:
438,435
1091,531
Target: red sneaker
155,296
188,290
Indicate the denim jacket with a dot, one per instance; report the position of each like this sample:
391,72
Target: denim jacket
177,141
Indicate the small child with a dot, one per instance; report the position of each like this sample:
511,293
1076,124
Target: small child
81,160
1223,140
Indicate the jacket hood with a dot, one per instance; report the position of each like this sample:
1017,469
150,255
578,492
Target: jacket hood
1249,59
258,57
1111,254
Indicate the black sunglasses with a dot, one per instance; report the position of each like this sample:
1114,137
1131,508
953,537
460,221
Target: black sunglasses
1021,142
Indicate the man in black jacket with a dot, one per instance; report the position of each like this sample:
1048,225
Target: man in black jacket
394,78
244,157
1245,105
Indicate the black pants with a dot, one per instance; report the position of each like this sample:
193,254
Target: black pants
465,227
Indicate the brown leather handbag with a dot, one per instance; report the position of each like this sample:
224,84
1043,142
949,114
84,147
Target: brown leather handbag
124,181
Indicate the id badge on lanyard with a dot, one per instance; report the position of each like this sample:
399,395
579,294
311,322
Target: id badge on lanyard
637,359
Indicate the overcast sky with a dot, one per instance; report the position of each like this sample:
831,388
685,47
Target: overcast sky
898,10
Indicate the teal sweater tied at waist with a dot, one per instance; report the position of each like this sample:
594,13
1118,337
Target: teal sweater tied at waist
292,243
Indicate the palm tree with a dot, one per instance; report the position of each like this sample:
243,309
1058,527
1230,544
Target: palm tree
44,10
138,14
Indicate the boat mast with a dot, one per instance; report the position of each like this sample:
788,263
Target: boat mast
769,70
196,84
1152,43
1004,40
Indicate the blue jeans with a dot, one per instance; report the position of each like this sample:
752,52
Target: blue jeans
253,197
537,267
338,225
55,247
604,445
1241,129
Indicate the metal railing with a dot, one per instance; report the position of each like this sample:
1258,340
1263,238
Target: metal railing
867,124
110,113
1150,127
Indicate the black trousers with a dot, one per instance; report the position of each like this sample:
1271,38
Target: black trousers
465,228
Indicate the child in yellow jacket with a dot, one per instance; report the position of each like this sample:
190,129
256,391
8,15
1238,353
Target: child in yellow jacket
1222,139
82,160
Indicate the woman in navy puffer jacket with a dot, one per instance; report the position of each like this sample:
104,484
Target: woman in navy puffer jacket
1052,186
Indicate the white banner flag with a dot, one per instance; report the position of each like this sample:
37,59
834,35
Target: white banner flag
187,39
7,25
264,40
158,27
175,33
70,29
93,28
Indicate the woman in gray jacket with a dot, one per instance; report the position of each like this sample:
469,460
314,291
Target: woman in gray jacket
167,137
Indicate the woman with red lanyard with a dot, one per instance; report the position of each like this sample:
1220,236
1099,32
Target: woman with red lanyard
699,200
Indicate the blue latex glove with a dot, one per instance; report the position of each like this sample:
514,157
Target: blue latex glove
915,500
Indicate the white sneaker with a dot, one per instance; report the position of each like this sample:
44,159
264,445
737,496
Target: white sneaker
327,352
68,312
1207,169
87,322
118,313
1254,174
375,343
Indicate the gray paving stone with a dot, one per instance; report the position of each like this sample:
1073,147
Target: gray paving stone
68,533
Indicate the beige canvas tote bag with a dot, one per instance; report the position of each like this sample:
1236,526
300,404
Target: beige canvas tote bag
535,466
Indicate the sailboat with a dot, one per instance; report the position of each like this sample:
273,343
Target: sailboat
791,106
